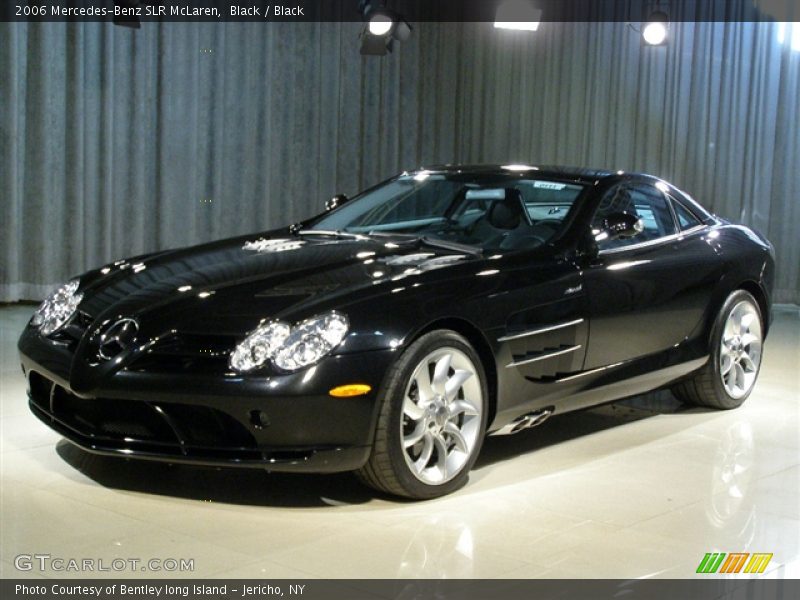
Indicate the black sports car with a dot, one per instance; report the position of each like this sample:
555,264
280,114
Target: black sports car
390,334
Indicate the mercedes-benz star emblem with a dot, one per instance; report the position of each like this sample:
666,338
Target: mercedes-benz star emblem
116,338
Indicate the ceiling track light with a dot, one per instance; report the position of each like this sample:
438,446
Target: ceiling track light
383,28
520,15
654,32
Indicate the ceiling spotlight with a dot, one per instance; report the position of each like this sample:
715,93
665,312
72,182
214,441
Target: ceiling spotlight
375,45
380,24
384,27
517,14
654,32
789,35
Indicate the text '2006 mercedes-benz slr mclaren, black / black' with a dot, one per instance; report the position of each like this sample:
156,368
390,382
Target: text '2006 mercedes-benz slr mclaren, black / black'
390,334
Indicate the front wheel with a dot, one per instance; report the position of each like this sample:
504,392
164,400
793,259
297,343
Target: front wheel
736,345
432,420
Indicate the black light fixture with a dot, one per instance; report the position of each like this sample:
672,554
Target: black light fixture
383,27
520,15
126,16
654,32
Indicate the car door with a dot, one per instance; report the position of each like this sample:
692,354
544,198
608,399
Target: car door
647,293
539,311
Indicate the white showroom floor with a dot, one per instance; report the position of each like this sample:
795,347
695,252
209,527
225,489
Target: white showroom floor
642,488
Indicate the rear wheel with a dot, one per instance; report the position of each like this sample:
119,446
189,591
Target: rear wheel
432,420
736,344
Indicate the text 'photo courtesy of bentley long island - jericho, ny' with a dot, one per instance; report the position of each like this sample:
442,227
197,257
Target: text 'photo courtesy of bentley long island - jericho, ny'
390,334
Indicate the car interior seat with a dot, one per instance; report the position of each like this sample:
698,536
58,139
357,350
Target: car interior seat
508,213
507,226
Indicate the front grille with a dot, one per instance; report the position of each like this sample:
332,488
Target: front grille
204,426
187,353
122,420
150,427
40,389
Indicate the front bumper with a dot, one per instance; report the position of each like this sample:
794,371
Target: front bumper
276,422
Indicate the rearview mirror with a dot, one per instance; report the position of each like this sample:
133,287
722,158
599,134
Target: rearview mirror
619,225
336,201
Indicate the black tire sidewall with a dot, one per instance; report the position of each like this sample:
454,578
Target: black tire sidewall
395,393
724,398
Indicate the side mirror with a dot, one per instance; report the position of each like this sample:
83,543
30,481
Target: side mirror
619,225
336,201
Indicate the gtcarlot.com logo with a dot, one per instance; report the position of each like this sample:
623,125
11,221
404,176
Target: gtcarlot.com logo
58,564
735,562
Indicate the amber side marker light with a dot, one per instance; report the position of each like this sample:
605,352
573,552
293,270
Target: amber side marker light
352,389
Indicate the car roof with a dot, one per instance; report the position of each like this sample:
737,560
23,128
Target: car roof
581,174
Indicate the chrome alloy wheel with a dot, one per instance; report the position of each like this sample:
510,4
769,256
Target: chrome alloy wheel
442,409
740,351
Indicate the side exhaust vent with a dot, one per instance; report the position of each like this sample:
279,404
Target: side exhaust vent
526,421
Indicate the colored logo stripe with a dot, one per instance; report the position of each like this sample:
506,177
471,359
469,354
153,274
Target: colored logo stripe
734,562
758,563
713,562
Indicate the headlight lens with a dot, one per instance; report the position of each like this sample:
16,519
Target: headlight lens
259,346
57,308
311,340
290,348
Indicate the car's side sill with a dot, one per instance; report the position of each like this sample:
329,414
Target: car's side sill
589,372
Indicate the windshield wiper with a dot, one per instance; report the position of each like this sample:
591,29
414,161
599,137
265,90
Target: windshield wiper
429,241
448,245
405,237
336,234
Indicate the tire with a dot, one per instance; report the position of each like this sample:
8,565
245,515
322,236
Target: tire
432,419
729,376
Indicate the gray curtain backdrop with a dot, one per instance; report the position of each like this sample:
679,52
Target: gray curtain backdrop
116,142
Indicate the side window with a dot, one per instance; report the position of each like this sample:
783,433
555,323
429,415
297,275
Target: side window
686,218
642,200
548,200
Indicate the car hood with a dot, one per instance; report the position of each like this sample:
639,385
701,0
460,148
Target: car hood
230,285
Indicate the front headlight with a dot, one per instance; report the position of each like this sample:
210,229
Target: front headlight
57,308
311,340
290,348
259,346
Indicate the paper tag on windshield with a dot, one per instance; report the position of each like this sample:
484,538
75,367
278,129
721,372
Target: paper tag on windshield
549,185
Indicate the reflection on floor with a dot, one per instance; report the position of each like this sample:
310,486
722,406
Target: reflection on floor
642,488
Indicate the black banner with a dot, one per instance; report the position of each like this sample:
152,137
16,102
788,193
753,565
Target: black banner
144,11
364,589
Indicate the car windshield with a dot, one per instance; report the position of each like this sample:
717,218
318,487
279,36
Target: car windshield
493,212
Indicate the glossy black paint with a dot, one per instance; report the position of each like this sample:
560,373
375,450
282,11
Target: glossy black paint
628,322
